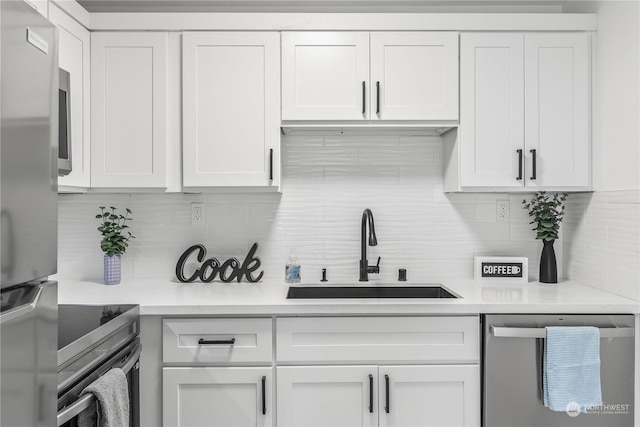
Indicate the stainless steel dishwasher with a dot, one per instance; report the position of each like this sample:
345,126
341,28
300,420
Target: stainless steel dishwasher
512,353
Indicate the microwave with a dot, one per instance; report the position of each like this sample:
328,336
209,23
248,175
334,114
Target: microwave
64,124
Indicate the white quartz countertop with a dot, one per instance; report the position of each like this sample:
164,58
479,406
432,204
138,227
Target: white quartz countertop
163,297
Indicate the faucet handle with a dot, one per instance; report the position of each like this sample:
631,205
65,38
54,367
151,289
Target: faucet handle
374,268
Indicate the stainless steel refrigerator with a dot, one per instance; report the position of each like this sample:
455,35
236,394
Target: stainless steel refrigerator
29,216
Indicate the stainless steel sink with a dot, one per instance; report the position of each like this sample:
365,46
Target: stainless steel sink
432,290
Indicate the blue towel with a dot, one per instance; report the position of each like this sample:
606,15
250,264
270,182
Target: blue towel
571,372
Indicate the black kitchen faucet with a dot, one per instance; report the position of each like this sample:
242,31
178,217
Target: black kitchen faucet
365,268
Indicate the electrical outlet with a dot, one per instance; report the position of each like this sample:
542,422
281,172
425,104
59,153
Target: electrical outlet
502,210
197,213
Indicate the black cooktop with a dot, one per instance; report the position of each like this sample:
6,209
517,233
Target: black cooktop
76,321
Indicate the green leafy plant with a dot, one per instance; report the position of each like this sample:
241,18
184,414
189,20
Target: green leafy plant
114,231
547,213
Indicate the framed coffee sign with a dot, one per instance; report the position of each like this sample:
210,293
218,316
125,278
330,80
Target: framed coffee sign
512,269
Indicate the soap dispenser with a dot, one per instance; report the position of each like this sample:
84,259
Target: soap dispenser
292,270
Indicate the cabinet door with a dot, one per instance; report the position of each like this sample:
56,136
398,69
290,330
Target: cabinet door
557,110
492,110
327,396
217,397
231,99
423,396
325,75
414,76
128,110
40,5
74,57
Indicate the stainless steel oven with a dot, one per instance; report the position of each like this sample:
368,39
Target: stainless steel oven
91,341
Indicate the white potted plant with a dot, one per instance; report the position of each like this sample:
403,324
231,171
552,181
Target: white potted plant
114,243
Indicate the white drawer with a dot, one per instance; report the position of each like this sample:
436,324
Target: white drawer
252,340
378,339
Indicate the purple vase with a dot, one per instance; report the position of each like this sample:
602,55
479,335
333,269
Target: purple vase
112,269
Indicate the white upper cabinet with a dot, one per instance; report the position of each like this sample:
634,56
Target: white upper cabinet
325,75
525,115
74,57
358,76
491,109
414,76
231,114
557,110
129,110
40,5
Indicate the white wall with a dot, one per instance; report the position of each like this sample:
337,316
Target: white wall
617,112
327,182
616,99
602,241
602,230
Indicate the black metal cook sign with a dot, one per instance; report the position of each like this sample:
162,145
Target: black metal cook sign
227,271
502,269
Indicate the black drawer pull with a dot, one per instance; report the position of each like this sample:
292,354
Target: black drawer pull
271,164
378,98
520,159
364,97
533,163
370,393
202,341
386,386
264,395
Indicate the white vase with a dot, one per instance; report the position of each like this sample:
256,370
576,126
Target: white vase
112,269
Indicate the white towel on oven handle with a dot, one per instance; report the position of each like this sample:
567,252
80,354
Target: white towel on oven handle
112,401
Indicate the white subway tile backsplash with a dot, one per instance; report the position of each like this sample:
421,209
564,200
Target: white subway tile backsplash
407,155
321,155
486,212
327,181
602,231
362,141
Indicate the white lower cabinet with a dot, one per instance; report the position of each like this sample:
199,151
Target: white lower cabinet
369,371
224,397
369,395
329,371
217,372
429,395
326,396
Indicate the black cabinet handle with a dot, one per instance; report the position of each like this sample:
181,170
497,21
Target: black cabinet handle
264,395
520,159
271,164
533,163
371,393
364,98
202,341
378,98
386,386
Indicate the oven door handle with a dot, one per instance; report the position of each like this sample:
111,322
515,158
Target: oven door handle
85,401
126,366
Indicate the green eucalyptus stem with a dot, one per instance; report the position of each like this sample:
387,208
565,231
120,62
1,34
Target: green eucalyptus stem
547,213
115,236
